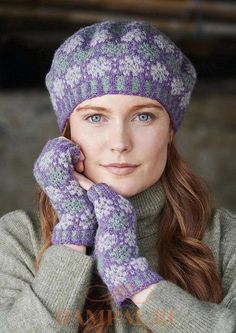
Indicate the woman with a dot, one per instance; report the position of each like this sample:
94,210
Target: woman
132,249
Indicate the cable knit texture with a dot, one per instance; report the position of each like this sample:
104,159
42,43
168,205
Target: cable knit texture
53,171
52,299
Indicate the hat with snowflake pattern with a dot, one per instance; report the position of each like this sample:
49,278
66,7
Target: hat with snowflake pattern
126,57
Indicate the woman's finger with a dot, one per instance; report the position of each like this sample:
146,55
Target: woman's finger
80,166
83,181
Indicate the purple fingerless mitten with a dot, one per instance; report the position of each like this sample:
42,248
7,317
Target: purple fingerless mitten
53,171
116,252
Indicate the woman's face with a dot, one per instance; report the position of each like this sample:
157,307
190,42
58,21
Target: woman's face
120,134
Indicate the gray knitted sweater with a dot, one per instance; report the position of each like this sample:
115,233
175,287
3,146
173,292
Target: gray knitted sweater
52,299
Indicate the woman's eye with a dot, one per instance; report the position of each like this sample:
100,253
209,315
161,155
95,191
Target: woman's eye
145,114
93,115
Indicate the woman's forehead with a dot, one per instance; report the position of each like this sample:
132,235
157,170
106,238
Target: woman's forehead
126,100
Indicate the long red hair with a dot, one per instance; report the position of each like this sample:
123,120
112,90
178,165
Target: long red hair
184,258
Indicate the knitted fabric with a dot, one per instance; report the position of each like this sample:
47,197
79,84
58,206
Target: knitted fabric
120,57
53,171
116,250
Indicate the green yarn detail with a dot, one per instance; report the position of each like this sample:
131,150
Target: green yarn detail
82,234
64,235
60,64
137,281
118,221
118,30
105,83
93,86
111,49
120,83
135,85
147,51
74,235
72,205
172,64
88,33
121,254
187,79
83,90
148,87
81,55
57,176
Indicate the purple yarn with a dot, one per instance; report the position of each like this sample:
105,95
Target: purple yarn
120,57
53,171
116,251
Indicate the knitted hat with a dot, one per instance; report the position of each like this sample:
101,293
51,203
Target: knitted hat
120,57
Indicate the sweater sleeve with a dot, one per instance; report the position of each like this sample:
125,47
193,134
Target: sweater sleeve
169,308
50,300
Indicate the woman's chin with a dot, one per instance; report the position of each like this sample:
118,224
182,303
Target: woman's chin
125,186
125,189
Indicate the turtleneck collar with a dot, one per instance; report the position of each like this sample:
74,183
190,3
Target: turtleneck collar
148,205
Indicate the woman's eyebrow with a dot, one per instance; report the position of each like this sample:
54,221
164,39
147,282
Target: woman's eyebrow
133,108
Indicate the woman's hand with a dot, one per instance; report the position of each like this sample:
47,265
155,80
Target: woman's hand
83,181
54,170
116,251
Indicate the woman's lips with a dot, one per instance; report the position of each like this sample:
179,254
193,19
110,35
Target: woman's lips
120,170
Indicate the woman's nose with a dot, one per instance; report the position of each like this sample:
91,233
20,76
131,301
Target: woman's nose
120,148
120,140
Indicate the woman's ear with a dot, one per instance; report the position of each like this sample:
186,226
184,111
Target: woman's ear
171,134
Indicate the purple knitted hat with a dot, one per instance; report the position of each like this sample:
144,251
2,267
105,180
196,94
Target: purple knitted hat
120,57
